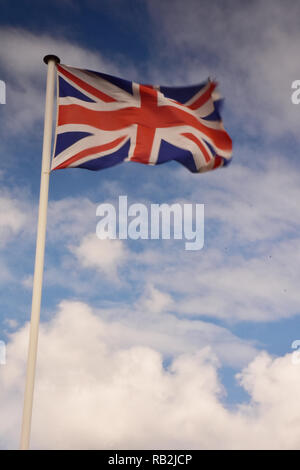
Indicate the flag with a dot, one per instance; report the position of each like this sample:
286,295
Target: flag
104,120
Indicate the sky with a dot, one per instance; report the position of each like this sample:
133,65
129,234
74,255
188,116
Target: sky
142,343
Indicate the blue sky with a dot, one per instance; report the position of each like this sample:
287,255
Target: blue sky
144,344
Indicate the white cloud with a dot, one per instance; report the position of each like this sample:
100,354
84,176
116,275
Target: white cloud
249,267
70,218
21,59
12,218
257,283
251,48
155,301
93,393
12,323
256,204
12,221
262,287
245,272
103,255
27,282
16,225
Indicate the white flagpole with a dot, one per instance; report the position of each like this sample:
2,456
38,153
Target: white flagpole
50,60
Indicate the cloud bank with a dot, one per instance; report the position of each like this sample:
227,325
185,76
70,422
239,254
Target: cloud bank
93,394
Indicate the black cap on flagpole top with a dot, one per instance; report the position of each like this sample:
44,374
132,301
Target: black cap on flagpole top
51,57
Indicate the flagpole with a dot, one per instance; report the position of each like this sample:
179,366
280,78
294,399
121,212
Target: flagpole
51,61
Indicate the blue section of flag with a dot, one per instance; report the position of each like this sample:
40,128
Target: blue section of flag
211,148
66,139
226,162
169,152
65,89
125,85
216,114
108,160
181,94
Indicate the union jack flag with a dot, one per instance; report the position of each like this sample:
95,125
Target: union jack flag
104,120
